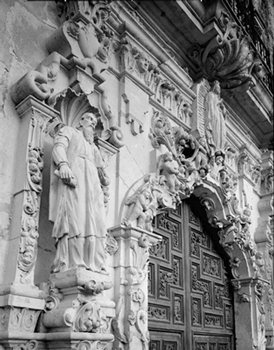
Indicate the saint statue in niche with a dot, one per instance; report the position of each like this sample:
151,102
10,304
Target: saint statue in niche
77,200
215,112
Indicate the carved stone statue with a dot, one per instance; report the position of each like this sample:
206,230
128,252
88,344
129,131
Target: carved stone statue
169,169
215,128
138,206
77,200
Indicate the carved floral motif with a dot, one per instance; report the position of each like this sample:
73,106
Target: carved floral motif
85,316
157,312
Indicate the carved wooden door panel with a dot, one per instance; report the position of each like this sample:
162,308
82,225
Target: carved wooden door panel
190,303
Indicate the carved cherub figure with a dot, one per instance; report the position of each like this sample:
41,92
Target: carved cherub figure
138,205
142,63
169,169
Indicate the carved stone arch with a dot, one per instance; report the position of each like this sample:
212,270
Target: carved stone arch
230,227
150,196
219,216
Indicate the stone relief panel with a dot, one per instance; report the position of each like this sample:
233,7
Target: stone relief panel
164,93
33,188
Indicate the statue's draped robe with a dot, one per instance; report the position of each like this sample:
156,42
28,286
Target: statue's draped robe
215,128
78,213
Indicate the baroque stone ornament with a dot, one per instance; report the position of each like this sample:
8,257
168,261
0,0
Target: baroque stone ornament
209,172
75,304
230,48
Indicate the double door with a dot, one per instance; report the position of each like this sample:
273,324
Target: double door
190,298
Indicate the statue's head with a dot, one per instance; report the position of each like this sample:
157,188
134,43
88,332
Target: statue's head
219,157
142,62
202,141
87,125
88,120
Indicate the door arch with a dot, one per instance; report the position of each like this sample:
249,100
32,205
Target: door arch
190,296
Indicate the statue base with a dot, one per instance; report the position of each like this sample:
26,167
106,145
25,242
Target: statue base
78,313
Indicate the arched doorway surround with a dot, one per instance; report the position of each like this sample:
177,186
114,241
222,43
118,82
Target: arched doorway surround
231,231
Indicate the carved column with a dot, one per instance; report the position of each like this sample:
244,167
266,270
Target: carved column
131,275
20,300
264,240
249,305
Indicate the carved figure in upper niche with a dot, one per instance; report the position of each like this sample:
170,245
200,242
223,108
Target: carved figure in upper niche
201,160
215,113
77,200
169,169
138,206
216,164
142,63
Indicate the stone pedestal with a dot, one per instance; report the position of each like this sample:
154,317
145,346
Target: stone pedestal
78,314
131,261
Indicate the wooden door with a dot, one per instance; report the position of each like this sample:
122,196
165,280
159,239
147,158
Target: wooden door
190,301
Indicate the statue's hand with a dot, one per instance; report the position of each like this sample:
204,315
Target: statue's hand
66,174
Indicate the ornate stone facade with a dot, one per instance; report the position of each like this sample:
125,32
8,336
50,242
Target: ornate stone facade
167,132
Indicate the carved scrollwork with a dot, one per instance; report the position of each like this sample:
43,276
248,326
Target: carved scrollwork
18,319
214,58
137,295
85,316
141,325
161,131
96,14
93,287
140,254
32,196
90,345
243,298
111,245
30,345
